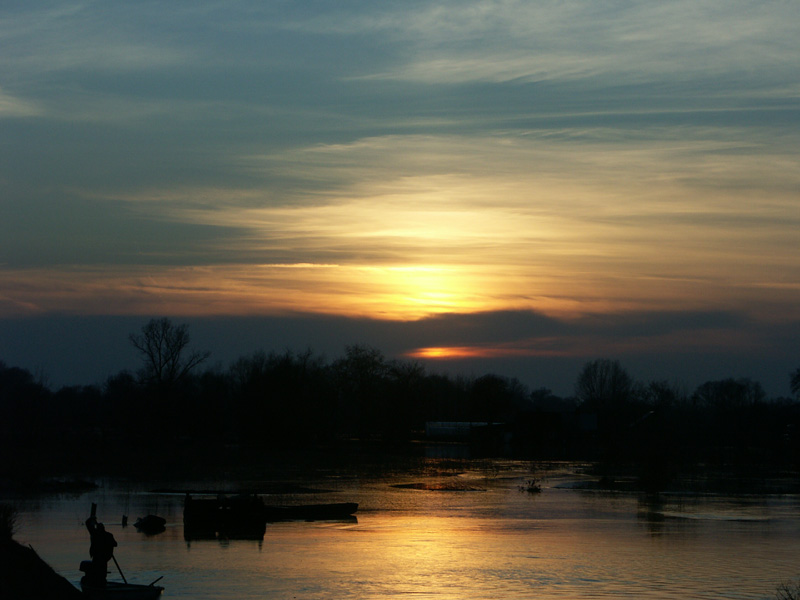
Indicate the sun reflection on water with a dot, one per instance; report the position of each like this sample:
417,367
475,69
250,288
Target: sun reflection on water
477,537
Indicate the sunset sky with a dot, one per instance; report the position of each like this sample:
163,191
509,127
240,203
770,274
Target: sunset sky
504,186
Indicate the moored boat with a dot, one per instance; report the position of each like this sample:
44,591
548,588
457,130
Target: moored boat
248,514
151,524
311,512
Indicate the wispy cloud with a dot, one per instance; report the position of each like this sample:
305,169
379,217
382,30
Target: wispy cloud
497,41
562,222
13,107
82,36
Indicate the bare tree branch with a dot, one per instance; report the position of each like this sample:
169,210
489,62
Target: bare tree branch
162,345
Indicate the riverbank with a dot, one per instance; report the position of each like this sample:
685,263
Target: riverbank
25,576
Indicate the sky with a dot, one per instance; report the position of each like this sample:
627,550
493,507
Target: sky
483,186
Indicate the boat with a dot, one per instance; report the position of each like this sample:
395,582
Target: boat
311,512
234,513
114,590
246,515
151,524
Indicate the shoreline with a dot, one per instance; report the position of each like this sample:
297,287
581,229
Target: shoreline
23,575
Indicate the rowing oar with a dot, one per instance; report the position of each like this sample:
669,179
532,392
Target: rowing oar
118,569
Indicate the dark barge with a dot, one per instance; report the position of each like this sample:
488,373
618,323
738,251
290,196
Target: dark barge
246,516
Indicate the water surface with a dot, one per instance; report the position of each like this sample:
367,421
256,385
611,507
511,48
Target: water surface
491,540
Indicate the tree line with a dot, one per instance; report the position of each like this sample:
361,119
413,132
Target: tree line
173,406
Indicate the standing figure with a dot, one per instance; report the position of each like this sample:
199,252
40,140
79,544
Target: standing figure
101,550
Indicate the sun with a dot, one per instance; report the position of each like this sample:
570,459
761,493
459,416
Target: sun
445,352
418,291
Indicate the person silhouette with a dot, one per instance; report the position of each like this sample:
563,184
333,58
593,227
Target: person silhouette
101,549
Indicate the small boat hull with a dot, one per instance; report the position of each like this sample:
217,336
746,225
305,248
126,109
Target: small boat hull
250,512
151,525
311,512
121,591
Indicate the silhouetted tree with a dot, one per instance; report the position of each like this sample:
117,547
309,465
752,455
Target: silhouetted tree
728,393
406,387
124,393
162,345
603,383
248,370
794,382
251,380
606,389
281,398
494,398
22,407
18,384
662,394
361,378
737,420
542,396
445,399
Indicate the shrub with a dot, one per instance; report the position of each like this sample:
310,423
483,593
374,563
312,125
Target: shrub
788,591
8,521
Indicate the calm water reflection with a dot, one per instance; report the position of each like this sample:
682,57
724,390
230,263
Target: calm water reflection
491,542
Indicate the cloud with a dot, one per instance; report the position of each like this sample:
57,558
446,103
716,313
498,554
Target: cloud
80,36
13,107
501,334
558,221
504,41
663,213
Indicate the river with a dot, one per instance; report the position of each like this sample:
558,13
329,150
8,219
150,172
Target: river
441,530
